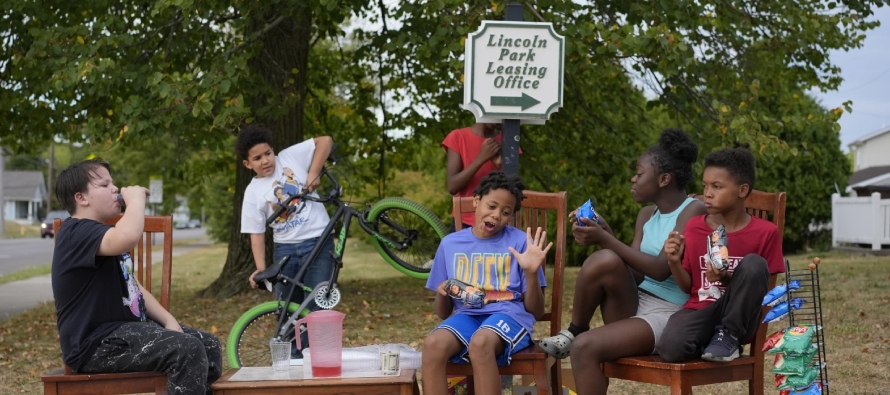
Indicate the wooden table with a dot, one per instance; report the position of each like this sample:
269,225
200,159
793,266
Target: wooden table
404,384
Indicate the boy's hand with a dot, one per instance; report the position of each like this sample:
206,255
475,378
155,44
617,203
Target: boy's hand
497,160
674,246
312,181
535,252
134,194
589,234
441,289
713,275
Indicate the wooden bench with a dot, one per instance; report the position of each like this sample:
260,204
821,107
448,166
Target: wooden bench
64,381
682,376
532,360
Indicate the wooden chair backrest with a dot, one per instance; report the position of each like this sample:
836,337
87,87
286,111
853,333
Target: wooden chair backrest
534,213
142,255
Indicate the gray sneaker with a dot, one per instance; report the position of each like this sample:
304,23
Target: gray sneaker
723,347
558,346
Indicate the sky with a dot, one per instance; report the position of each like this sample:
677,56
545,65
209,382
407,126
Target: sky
866,73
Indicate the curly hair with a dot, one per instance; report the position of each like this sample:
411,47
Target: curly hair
738,162
500,180
675,153
250,136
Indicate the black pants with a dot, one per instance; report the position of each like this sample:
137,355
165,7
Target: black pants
191,360
688,332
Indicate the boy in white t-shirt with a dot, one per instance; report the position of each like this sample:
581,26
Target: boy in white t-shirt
296,234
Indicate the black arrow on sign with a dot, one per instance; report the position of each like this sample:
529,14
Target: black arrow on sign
525,101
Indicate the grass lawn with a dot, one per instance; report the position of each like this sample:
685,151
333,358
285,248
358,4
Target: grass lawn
15,230
382,305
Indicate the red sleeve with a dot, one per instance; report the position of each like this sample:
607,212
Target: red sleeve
453,141
772,251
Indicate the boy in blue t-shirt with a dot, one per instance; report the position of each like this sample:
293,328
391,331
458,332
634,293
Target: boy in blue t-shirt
499,264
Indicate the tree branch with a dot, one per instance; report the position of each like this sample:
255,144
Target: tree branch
254,37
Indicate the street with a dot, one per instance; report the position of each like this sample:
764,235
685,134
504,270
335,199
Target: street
17,254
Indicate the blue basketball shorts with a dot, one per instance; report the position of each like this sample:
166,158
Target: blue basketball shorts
463,327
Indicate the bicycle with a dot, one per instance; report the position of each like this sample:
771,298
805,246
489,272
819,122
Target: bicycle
405,233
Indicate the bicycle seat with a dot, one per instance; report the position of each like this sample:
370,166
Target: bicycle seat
271,272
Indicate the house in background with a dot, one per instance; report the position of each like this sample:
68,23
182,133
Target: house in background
871,164
23,195
863,218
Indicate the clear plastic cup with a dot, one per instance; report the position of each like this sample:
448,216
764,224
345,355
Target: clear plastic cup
280,355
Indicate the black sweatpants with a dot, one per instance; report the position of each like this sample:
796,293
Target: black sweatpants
191,360
688,332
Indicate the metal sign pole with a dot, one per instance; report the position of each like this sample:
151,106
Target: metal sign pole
510,127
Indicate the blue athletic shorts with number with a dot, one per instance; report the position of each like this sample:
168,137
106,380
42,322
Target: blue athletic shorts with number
463,327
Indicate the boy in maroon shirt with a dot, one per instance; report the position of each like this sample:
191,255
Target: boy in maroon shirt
723,310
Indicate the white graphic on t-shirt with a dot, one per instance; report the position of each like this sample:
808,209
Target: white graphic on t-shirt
282,190
134,297
712,291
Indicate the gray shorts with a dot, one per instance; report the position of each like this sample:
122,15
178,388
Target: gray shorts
655,311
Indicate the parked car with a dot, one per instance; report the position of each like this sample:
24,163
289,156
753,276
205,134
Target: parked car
195,223
46,228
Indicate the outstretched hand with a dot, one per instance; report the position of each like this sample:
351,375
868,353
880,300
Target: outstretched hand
535,252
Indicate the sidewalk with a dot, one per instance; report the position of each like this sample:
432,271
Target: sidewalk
19,296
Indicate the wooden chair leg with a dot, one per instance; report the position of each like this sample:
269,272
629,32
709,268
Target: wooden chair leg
680,384
755,385
471,386
555,378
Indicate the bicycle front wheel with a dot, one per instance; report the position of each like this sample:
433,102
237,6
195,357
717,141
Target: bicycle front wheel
248,342
410,224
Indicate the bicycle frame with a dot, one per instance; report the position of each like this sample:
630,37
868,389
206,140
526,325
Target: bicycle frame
344,214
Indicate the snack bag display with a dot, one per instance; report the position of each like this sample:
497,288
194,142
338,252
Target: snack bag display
781,310
795,381
796,341
794,364
586,211
771,340
779,293
464,293
718,254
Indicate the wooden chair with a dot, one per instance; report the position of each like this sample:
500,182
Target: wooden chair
65,381
532,360
681,377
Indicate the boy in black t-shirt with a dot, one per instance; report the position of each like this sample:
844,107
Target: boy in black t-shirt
107,321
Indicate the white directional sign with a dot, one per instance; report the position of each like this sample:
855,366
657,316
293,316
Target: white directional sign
514,70
156,187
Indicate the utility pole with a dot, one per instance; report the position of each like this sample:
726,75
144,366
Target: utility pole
49,182
2,199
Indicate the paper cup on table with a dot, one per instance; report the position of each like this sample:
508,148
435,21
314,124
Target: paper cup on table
280,355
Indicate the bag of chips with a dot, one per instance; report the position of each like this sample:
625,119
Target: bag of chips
586,211
796,340
771,340
781,310
795,381
718,254
464,293
779,293
794,364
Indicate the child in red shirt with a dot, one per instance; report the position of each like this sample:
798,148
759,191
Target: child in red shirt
723,310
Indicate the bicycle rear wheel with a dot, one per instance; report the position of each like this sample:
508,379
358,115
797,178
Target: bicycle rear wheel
406,222
248,342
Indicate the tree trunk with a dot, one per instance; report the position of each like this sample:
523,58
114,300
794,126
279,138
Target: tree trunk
277,105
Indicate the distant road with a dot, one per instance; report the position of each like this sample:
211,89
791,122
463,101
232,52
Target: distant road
18,254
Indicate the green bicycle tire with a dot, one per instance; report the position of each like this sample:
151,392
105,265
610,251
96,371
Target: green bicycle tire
254,316
421,219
